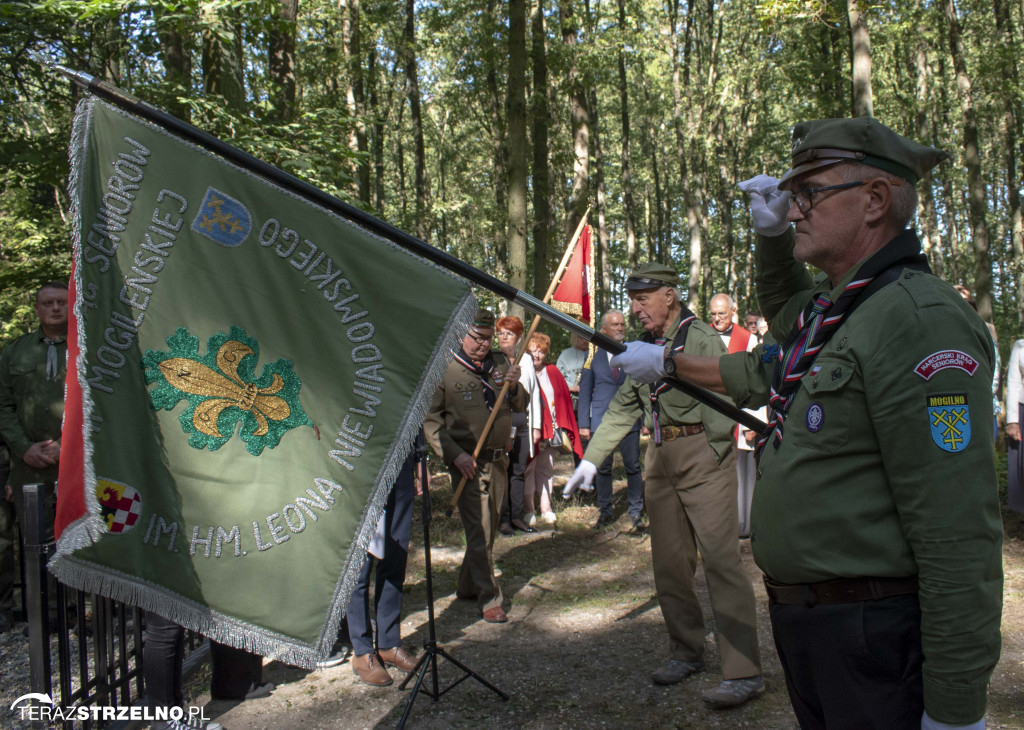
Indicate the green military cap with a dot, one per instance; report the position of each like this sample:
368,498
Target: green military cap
825,142
652,276
484,318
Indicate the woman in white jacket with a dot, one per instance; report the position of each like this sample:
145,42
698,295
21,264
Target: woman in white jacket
509,331
1014,407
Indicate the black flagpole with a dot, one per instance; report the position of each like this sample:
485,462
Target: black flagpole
129,103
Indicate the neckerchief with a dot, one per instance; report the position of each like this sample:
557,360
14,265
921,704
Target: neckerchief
52,366
482,371
821,318
686,318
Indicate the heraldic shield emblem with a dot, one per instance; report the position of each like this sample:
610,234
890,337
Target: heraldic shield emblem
120,505
222,219
949,416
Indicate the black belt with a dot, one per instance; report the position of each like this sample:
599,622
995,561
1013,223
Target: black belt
840,590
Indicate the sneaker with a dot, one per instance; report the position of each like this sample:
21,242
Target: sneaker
339,652
550,517
675,671
733,692
638,524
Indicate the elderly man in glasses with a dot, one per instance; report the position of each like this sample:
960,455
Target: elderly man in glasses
457,416
876,514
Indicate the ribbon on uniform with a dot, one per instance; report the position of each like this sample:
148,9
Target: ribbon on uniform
678,342
820,319
482,371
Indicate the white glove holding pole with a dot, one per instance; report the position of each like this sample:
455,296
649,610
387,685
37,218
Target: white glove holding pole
768,204
642,361
582,478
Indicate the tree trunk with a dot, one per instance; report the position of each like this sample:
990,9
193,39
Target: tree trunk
860,54
499,143
626,178
1012,119
177,61
580,116
281,61
223,68
517,146
975,183
542,224
355,99
931,236
602,229
413,91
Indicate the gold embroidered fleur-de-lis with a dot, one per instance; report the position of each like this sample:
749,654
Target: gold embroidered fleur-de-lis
195,378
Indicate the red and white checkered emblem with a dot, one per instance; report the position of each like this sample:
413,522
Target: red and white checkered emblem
120,505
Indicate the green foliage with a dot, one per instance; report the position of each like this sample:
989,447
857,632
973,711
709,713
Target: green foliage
746,70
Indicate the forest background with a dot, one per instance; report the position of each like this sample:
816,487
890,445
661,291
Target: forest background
487,128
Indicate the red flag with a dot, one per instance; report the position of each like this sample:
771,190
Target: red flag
575,292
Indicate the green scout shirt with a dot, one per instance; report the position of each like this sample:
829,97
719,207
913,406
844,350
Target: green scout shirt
633,400
458,411
886,464
31,405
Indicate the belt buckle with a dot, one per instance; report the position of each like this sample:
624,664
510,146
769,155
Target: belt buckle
669,433
497,454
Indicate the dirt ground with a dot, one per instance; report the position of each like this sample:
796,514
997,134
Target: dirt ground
584,633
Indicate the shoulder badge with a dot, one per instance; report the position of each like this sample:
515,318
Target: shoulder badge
949,416
944,359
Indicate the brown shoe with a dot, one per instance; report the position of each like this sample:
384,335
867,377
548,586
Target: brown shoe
399,657
370,670
495,615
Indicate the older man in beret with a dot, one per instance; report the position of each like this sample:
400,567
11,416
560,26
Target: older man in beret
690,491
456,419
876,515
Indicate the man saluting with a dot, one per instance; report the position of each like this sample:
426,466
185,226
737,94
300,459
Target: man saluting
876,517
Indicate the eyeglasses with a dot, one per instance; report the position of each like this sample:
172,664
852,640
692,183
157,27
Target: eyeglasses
478,339
503,334
804,199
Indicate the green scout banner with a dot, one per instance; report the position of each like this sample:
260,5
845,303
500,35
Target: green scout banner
249,371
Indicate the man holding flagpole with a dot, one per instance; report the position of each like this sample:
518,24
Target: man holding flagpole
457,417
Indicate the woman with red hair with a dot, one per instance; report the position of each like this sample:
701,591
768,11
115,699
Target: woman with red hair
556,413
509,332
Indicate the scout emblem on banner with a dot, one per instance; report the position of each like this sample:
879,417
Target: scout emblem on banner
949,416
247,372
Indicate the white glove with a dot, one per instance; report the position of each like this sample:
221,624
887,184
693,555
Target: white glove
582,478
642,361
768,204
929,724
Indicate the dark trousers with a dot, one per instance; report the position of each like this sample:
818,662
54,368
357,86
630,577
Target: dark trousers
390,576
518,458
852,666
1015,465
629,447
162,655
235,671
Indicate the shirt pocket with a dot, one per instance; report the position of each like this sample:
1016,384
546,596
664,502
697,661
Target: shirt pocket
823,406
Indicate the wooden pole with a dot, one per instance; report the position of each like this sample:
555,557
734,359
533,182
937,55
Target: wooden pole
519,353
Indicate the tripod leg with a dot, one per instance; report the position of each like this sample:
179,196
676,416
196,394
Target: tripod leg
473,674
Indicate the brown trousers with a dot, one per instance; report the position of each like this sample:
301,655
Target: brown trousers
691,502
479,509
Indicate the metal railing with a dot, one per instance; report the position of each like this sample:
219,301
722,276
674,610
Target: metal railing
99,641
